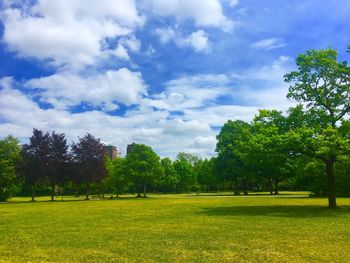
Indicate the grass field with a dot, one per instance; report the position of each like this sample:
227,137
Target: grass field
176,228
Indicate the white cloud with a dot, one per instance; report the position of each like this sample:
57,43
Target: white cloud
191,92
204,142
121,52
165,34
132,43
198,40
67,32
181,118
143,125
207,13
63,90
268,44
233,2
217,115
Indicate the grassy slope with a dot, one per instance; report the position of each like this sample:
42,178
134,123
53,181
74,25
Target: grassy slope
176,228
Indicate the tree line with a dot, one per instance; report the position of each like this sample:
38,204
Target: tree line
305,148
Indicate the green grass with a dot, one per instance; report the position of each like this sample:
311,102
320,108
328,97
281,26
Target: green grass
180,228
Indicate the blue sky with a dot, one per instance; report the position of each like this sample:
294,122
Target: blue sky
166,73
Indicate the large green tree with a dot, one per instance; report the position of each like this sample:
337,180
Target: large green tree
323,84
185,168
268,148
232,153
143,167
9,158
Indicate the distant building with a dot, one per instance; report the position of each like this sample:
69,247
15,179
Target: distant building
111,152
130,147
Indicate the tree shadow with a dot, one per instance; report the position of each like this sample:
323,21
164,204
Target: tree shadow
11,202
287,211
289,195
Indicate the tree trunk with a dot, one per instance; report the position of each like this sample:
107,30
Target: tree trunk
52,192
144,190
270,186
33,193
331,183
139,190
236,190
245,186
87,192
276,187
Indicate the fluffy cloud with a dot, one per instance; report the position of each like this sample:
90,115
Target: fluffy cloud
72,36
198,40
197,96
207,13
63,90
143,125
191,92
165,34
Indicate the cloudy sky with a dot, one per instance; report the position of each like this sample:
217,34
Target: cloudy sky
166,73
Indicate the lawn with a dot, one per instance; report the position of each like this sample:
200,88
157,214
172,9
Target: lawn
180,228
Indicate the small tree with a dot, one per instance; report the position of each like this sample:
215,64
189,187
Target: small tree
116,178
143,167
89,158
9,159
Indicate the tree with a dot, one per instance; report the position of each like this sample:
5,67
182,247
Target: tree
232,153
184,167
187,157
323,84
143,167
206,177
58,161
116,178
89,157
170,179
269,150
9,158
35,159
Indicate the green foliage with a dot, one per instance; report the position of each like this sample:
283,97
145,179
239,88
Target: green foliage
184,167
9,159
233,161
143,167
323,83
170,179
116,180
206,175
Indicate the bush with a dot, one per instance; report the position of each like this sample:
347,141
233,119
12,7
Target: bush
4,195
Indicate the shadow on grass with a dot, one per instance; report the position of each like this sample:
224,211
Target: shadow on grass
288,211
12,202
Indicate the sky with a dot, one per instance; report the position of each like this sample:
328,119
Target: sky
165,73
